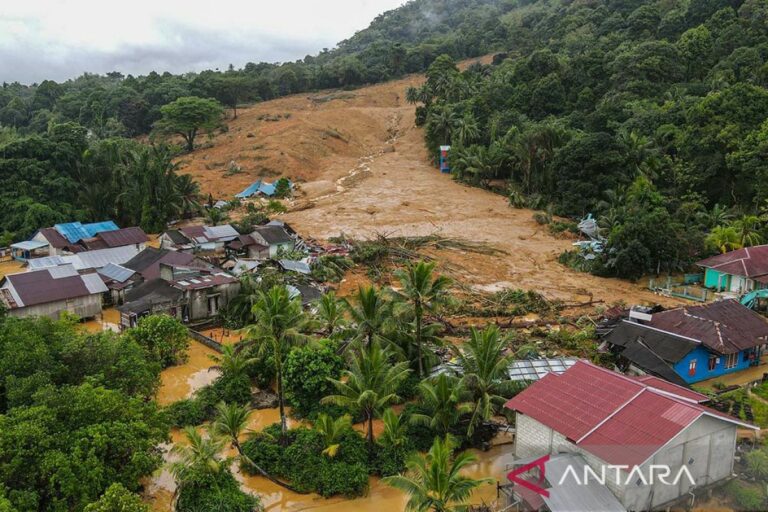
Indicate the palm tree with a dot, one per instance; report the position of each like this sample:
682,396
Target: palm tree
230,423
434,481
332,429
369,385
330,313
395,431
724,239
484,367
412,95
748,227
440,399
189,192
278,324
423,290
371,314
718,216
440,124
231,362
240,308
200,453
466,129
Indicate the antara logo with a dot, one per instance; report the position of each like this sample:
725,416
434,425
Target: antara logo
515,478
634,474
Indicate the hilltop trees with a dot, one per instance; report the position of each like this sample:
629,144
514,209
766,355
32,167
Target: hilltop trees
187,116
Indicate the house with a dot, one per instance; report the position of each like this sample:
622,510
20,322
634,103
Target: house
198,238
118,279
191,294
51,291
75,237
245,246
88,260
126,237
622,428
147,263
737,271
275,237
692,343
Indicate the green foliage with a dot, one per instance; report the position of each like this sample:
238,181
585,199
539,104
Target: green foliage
282,188
302,460
307,373
747,496
164,339
188,115
434,481
117,499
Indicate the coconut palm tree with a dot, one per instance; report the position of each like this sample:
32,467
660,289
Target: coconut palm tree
434,482
230,423
412,95
330,313
484,368
369,385
371,314
423,290
724,239
748,227
466,129
231,362
395,431
278,325
440,399
332,429
200,453
189,192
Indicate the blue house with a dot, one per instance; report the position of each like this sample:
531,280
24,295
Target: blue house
693,343
739,271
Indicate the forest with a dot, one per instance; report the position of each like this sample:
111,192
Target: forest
652,116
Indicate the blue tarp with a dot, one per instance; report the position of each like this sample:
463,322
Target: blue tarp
251,190
76,231
268,189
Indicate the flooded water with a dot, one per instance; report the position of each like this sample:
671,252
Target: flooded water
181,381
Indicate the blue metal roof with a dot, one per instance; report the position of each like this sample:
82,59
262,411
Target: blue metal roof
250,190
268,189
76,231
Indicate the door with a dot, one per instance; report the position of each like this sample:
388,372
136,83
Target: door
213,305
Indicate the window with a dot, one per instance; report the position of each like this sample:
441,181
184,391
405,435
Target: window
731,360
692,367
712,364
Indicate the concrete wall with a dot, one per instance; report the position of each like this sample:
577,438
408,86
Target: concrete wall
701,355
84,307
198,300
710,444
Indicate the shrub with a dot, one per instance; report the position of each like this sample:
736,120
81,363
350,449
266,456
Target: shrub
220,491
747,496
163,338
302,462
306,374
390,460
116,499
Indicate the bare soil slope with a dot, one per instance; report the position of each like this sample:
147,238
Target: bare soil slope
363,169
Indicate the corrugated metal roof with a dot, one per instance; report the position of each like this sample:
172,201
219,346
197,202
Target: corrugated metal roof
48,261
225,232
62,271
533,369
94,283
571,495
29,245
299,266
724,326
127,236
47,285
749,262
76,231
102,257
268,189
116,272
620,420
250,190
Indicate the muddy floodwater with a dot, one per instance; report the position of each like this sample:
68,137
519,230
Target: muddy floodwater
182,381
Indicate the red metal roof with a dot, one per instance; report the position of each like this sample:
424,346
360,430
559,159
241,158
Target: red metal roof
54,238
617,418
749,262
669,387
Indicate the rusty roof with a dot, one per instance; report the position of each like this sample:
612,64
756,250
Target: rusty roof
125,236
723,326
749,262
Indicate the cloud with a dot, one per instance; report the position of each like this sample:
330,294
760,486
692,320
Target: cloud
61,40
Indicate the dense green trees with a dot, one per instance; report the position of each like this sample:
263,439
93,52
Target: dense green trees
77,423
594,97
188,116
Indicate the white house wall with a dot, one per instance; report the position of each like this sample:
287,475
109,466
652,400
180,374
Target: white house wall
708,441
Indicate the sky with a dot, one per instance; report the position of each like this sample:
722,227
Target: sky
61,39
